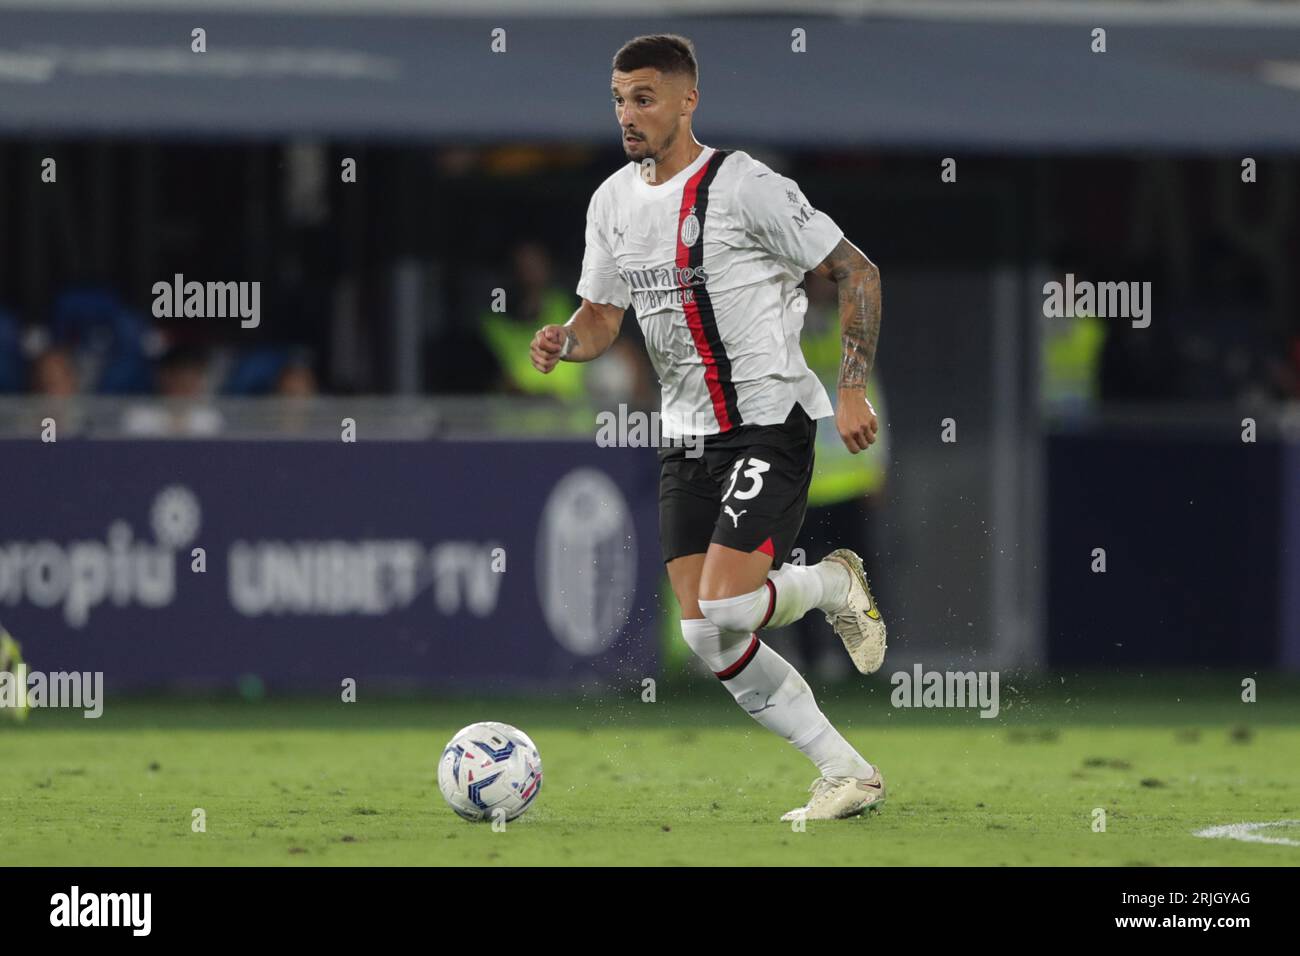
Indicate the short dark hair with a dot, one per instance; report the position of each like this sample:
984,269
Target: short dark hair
666,52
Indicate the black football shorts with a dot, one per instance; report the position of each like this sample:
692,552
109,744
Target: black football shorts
748,490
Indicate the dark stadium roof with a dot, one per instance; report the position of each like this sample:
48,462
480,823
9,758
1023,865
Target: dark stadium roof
883,80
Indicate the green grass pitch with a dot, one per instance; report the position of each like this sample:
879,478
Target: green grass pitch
688,779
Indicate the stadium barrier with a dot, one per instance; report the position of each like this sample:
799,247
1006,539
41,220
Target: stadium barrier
168,564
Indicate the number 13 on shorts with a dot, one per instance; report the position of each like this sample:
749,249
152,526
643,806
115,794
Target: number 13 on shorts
754,473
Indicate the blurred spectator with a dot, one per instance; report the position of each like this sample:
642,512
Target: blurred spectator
1071,363
531,302
297,380
110,344
53,376
182,373
296,384
54,373
182,379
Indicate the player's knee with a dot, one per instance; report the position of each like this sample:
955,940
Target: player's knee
744,612
688,601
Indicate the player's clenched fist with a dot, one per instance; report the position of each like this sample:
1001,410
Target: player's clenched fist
547,345
856,421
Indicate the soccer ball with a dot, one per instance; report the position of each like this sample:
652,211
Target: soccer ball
490,771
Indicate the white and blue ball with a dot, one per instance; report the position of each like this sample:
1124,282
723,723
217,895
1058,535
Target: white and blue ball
490,771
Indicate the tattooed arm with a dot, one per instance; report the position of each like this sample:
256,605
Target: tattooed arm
858,281
591,331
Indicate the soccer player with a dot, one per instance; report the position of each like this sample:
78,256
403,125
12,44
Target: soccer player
710,247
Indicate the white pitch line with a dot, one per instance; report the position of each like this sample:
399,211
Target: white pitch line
1246,832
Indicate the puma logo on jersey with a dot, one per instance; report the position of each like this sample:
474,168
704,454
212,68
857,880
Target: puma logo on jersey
735,518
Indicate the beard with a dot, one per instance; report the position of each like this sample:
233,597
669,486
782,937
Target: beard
659,154
647,151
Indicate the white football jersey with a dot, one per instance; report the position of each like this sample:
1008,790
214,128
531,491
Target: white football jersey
711,261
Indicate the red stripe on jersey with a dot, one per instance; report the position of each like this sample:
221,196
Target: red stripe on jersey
692,308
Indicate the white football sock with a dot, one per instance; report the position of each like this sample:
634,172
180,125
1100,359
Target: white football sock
835,756
775,695
718,649
824,585
741,614
788,594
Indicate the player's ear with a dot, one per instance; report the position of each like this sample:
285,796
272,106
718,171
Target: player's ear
690,95
691,101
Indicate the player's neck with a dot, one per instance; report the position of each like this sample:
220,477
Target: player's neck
683,153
